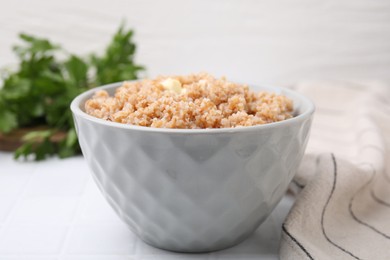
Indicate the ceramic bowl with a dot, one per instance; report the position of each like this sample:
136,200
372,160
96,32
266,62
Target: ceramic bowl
194,190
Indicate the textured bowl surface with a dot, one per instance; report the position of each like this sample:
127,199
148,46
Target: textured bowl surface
193,190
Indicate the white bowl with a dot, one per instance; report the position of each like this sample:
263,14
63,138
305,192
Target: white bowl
193,190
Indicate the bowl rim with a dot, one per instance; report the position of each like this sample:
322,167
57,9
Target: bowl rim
77,111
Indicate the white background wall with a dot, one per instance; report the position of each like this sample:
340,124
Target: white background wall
255,41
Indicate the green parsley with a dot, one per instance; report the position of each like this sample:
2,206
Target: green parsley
40,91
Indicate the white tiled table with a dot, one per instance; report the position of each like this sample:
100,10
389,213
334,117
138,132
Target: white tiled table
52,210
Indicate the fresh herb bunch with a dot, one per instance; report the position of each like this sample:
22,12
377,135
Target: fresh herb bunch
40,91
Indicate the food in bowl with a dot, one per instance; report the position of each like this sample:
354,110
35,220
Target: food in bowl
193,190
192,101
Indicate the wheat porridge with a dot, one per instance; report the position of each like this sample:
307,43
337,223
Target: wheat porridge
190,102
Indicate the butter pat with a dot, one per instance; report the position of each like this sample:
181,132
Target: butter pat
172,85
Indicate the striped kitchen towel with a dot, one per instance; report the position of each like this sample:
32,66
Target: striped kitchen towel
342,208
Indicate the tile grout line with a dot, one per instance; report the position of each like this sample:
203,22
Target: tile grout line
71,224
12,211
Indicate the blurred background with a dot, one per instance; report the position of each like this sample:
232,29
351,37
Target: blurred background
260,42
